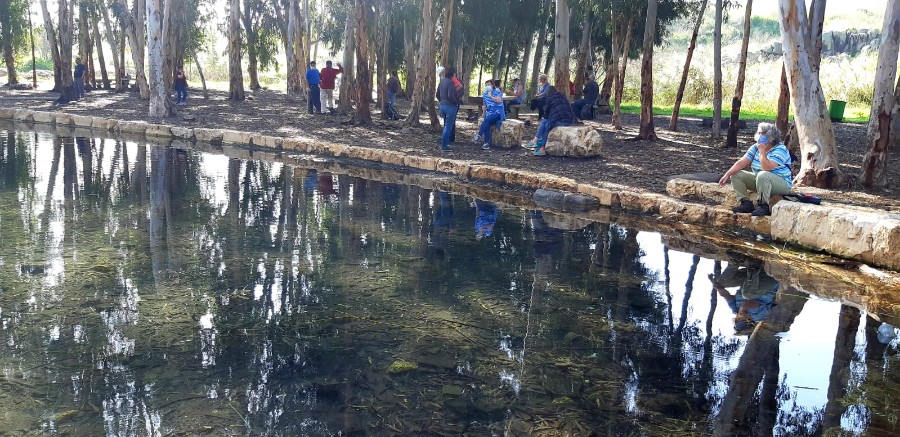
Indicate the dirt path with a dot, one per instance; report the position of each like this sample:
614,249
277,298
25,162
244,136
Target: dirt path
640,164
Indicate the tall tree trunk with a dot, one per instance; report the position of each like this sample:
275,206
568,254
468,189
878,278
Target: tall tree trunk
84,43
445,39
784,104
679,96
235,76
731,141
345,102
497,72
6,36
363,76
33,58
538,56
611,58
647,130
424,64
878,135
819,160
202,77
157,12
95,20
620,83
134,29
294,48
252,59
526,58
409,58
66,11
561,57
53,42
111,40
584,53
717,74
384,67
816,25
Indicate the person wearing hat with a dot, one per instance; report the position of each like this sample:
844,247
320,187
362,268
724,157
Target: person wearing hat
314,78
78,74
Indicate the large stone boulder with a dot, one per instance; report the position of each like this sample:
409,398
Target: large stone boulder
574,141
509,135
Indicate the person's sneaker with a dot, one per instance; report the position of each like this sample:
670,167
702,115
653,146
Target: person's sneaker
745,207
540,152
485,146
445,149
477,139
530,145
762,210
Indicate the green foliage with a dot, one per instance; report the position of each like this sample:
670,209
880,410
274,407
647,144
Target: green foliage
42,64
14,24
765,27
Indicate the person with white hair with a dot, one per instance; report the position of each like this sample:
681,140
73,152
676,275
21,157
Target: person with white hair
770,162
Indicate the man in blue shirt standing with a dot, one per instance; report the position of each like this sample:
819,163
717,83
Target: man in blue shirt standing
78,74
313,78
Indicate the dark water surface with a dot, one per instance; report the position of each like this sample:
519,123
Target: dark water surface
150,290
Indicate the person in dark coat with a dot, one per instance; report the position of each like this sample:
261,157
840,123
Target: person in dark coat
559,113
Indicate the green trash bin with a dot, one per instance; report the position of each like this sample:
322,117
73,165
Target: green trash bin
836,110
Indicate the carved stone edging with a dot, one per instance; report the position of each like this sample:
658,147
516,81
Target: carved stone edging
609,195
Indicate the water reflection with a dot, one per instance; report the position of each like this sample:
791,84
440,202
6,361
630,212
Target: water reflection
147,290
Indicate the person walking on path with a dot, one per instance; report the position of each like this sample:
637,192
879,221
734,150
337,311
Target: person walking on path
494,114
770,162
78,74
447,95
313,78
327,78
559,113
180,86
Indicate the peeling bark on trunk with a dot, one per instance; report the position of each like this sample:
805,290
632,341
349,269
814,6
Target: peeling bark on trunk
647,130
612,67
584,54
50,33
445,39
111,40
819,161
252,60
104,76
409,58
816,25
717,74
363,75
8,55
679,96
425,62
561,56
784,105
134,29
235,76
883,104
620,83
345,103
65,22
731,141
294,51
384,68
157,14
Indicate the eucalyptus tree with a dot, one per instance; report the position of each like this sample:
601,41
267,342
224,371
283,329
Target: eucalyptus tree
647,130
13,24
363,75
731,141
717,73
133,20
66,25
262,33
53,43
235,76
425,67
679,95
158,13
884,104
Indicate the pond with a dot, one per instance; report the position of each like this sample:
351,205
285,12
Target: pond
159,289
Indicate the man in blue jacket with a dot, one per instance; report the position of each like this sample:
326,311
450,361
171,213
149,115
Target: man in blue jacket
313,78
78,74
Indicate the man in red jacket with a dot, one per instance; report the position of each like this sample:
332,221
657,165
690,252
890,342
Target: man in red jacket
328,76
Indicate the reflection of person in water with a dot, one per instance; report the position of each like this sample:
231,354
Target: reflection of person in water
485,218
755,297
440,223
311,181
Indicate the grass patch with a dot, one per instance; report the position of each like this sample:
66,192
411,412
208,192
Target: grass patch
851,114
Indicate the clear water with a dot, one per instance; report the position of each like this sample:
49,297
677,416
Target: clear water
150,290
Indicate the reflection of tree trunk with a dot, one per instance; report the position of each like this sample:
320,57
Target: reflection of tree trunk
688,289
140,175
10,171
158,201
87,162
844,344
759,353
70,169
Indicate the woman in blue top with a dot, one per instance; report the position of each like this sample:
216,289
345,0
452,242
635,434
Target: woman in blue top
771,164
494,114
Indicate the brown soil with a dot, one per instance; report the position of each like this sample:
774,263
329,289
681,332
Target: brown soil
640,164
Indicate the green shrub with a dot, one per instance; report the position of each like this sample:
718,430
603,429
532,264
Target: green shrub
42,64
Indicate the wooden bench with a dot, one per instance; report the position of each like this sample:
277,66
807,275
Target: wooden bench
514,111
472,111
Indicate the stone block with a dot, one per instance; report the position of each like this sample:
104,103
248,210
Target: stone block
184,133
62,119
42,117
7,113
235,137
158,131
605,196
867,235
574,141
487,172
25,115
208,135
640,201
420,162
133,127
509,135
82,120
453,166
101,123
552,182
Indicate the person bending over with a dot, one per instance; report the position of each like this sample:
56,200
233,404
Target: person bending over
770,165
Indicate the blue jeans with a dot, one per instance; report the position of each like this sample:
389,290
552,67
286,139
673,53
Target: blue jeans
315,98
449,112
391,98
180,94
578,105
79,87
490,120
544,130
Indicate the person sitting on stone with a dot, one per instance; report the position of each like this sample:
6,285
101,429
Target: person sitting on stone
537,102
590,95
559,113
517,91
770,162
493,113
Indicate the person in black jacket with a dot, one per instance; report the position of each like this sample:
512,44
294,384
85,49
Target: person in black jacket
559,113
591,93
